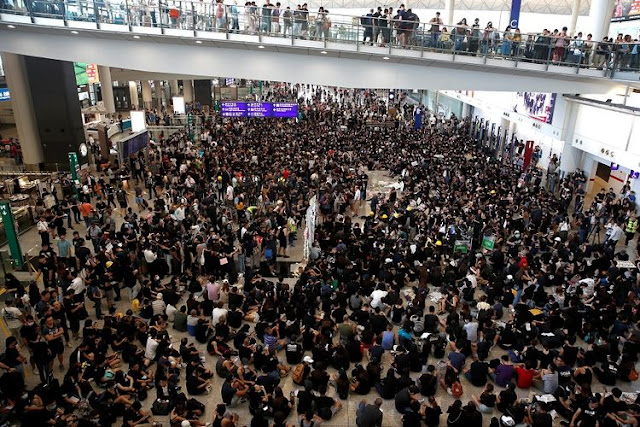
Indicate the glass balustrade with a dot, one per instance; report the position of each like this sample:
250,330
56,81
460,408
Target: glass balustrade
383,36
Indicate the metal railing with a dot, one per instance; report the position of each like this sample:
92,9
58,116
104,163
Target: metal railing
622,55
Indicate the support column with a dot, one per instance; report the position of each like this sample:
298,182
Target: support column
449,6
23,112
106,87
133,94
600,16
158,91
147,101
175,89
575,8
187,90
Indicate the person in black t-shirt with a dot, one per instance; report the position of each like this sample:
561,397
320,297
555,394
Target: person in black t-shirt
326,406
589,416
539,417
306,399
477,373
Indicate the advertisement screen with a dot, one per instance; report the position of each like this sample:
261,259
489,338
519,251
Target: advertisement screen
536,105
137,121
178,105
258,109
625,10
5,95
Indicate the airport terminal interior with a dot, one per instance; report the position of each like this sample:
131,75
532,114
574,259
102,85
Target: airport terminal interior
341,213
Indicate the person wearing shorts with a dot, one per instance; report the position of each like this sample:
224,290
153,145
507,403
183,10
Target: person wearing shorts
53,332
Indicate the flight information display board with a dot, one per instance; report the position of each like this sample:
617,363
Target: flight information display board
258,109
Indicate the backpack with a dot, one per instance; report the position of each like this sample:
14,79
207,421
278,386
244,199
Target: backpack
456,389
438,349
298,374
633,375
161,407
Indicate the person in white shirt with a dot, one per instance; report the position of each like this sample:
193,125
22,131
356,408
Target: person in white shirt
218,312
152,345
377,296
13,317
43,231
230,192
171,313
77,285
616,234
150,257
179,213
158,305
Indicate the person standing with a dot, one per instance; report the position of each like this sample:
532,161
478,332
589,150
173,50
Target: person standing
435,23
275,19
631,228
287,21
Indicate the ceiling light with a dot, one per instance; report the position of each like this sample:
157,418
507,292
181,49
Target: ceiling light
136,37
11,26
260,47
324,52
385,58
199,41
74,32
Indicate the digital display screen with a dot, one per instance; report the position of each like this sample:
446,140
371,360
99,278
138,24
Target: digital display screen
258,109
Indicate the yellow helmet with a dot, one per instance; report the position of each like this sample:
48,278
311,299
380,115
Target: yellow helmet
109,264
409,208
438,243
372,213
384,216
493,191
219,178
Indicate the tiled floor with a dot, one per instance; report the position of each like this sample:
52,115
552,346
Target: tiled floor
347,416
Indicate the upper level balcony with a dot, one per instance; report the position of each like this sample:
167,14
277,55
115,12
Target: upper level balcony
186,38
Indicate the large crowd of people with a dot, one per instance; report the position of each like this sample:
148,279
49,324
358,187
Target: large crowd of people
469,274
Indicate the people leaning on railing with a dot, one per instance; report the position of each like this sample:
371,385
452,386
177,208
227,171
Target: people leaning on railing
379,27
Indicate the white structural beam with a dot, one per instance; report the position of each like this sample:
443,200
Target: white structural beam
365,68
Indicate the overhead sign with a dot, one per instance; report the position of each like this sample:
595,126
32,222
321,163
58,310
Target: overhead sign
4,94
514,17
258,109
